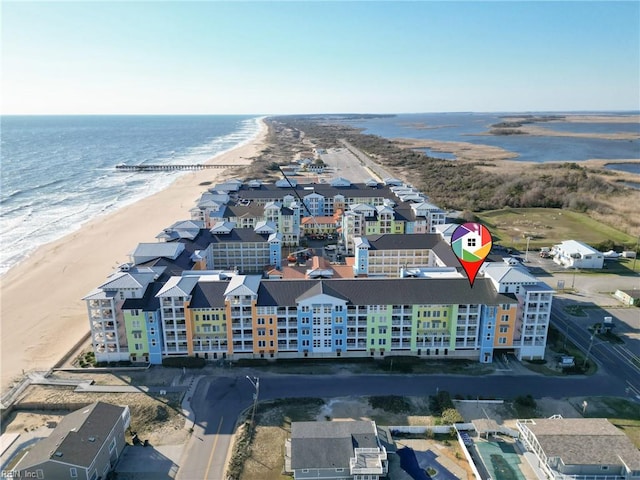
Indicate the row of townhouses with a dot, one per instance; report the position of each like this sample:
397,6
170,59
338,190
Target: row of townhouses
221,290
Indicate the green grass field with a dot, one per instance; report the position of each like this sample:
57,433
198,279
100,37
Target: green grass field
546,227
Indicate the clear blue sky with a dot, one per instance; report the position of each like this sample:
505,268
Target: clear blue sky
311,57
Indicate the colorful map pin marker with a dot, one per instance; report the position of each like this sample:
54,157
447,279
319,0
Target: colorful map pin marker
471,242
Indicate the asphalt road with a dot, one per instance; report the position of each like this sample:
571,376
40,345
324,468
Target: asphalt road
616,360
218,401
345,164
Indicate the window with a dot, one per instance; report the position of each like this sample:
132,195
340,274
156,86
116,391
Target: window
504,329
137,334
73,472
504,318
502,340
471,242
112,445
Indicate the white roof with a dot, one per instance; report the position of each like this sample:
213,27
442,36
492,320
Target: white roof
384,209
574,246
424,206
362,207
120,280
265,227
283,183
357,241
178,287
98,294
222,227
243,285
145,252
502,273
275,236
340,182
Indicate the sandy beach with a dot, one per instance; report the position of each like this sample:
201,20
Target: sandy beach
42,313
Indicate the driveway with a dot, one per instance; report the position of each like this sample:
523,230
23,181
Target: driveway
149,463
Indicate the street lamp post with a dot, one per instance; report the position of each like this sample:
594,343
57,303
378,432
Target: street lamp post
256,384
588,352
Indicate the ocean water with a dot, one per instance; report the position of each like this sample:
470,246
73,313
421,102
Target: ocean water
469,127
58,172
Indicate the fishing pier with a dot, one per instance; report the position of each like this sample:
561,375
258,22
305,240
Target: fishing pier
123,167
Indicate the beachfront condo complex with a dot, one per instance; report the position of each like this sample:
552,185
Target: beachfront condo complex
216,287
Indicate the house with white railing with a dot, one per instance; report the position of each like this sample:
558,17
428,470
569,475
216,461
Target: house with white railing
580,449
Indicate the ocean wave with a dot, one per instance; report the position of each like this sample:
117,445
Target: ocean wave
91,188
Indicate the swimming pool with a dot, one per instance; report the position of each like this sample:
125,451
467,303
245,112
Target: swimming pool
501,460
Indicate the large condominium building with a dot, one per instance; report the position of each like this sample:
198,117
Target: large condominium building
225,315
248,250
527,333
388,254
369,208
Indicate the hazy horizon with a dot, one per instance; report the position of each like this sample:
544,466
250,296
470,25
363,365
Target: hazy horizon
210,58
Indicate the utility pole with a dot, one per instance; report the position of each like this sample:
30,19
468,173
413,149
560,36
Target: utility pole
256,384
588,352
526,255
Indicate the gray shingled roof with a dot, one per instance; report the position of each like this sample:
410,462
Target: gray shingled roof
404,241
208,294
270,190
202,241
329,444
585,441
321,288
71,436
148,303
374,291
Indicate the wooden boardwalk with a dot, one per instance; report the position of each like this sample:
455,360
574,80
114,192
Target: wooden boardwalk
162,168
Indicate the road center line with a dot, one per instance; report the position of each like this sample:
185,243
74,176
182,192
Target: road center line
215,442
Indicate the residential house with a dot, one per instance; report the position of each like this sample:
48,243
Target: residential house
580,448
85,445
336,451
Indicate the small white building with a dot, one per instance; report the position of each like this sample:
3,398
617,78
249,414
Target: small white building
574,254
